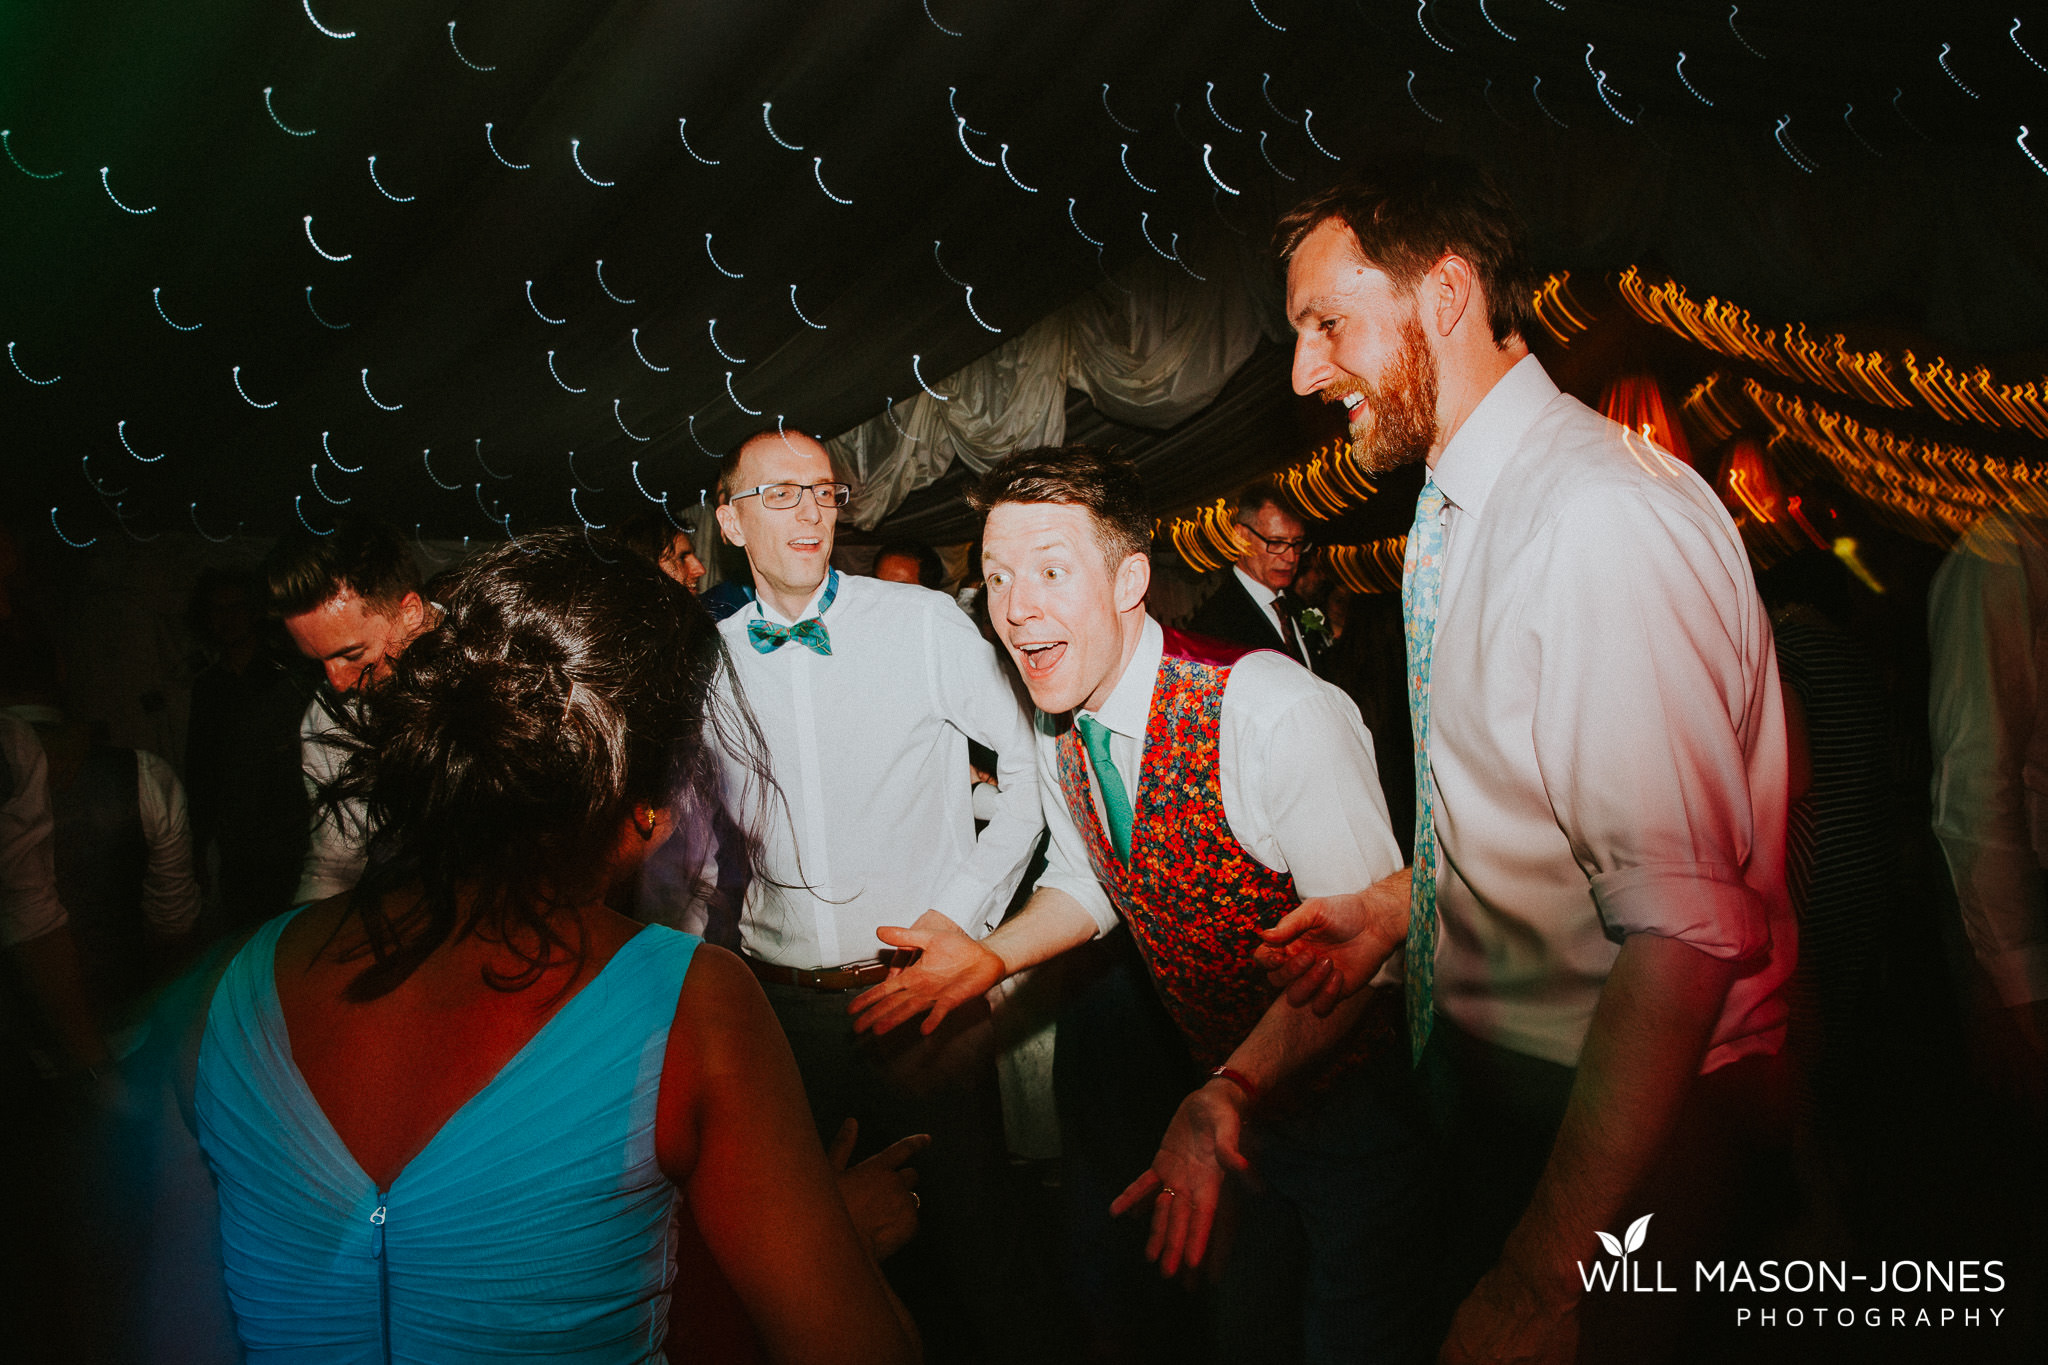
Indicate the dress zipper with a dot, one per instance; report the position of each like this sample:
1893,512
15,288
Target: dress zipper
383,1274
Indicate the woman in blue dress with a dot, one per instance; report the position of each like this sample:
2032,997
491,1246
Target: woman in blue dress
449,1114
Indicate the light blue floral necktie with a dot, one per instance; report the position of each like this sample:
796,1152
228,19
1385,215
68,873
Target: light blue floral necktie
1422,581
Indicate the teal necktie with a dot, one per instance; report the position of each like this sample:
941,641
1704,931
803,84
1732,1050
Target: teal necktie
1115,800
767,637
1422,581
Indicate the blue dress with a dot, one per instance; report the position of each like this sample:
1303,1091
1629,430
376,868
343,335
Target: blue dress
534,1225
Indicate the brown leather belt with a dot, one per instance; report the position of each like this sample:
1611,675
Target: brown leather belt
851,977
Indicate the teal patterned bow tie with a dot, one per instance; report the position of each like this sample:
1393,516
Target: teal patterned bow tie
767,637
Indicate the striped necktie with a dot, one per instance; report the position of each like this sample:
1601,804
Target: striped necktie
1422,581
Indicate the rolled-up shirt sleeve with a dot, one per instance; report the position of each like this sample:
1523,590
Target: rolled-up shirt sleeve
1641,716
170,893
29,907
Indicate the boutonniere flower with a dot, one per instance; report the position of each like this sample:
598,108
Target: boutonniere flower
1311,620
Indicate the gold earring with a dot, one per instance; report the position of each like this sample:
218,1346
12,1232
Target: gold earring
643,821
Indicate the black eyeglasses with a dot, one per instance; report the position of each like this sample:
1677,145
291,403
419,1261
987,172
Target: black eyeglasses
1298,545
780,497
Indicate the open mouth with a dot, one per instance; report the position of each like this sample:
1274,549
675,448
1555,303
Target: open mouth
804,543
1039,660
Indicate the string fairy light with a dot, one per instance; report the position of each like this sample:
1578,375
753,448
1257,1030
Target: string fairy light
387,407
558,376
427,460
322,27
1111,112
299,506
192,508
121,430
576,156
751,412
491,141
631,435
486,463
767,123
729,274
236,375
459,55
85,463
324,252
642,355
157,296
39,383
552,322
1124,154
330,498
74,544
117,198
1209,97
607,288
1416,100
328,451
1002,156
6,142
271,109
814,326
818,172
683,132
394,198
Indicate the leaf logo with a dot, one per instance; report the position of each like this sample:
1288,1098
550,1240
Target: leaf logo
1630,1241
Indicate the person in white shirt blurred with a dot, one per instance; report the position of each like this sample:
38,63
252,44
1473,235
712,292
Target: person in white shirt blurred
1987,626
351,601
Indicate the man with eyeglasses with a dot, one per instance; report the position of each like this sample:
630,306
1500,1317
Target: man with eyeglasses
1254,606
866,693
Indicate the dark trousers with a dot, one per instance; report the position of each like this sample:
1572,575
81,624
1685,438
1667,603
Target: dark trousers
1717,1189
958,1276
1333,1251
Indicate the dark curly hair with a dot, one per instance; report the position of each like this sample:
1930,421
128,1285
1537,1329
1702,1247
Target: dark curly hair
500,758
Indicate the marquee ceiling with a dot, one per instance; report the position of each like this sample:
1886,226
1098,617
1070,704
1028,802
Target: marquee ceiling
265,259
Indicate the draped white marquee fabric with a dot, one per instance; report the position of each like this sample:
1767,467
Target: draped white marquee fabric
1149,355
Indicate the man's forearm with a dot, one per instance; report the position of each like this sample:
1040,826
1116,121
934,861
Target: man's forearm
1287,1037
1650,1030
1050,923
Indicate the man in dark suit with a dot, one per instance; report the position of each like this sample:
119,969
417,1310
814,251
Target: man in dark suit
1254,607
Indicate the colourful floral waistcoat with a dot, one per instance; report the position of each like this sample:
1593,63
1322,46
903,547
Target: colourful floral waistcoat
1191,896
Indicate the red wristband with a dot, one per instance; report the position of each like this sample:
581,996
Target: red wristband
1238,1079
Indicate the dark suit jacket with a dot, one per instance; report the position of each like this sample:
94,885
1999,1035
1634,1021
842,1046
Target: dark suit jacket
1230,614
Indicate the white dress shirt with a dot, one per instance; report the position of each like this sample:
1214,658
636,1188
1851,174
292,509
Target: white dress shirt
1607,737
1300,789
874,822
170,893
1268,600
29,907
1987,623
337,849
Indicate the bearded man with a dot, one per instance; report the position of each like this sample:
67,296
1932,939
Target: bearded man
1598,932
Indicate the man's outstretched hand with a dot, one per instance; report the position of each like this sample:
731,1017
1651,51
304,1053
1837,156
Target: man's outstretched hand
880,1193
1185,1181
1325,950
952,970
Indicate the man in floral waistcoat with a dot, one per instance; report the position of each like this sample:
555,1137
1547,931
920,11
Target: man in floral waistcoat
1196,795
